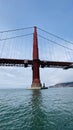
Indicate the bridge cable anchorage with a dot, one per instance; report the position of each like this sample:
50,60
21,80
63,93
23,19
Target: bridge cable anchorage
56,36
13,30
55,42
18,36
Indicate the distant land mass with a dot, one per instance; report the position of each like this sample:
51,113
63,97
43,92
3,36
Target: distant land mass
67,84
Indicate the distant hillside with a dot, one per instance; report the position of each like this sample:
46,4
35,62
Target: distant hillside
67,84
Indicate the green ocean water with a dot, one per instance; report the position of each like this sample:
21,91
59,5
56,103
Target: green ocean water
50,109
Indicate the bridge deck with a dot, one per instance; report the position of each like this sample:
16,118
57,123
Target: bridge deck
42,64
15,62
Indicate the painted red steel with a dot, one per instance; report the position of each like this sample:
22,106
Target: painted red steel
36,65
28,63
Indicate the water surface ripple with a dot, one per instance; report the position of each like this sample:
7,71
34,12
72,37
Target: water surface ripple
50,109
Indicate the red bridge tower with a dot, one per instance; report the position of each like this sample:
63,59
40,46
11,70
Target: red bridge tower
36,64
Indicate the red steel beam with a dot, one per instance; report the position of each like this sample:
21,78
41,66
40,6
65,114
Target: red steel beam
35,68
57,64
15,62
27,63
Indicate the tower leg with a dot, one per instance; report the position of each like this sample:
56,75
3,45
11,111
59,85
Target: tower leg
36,63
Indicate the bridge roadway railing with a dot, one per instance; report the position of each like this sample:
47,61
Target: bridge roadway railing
42,63
15,62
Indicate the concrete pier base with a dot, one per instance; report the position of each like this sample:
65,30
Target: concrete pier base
36,85
35,88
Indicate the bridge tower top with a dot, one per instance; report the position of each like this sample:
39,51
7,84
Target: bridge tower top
35,45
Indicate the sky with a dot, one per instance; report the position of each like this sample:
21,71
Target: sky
55,16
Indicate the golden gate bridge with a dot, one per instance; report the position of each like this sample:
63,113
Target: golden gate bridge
35,61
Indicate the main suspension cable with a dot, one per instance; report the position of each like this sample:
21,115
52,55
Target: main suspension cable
18,36
56,36
18,29
55,42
